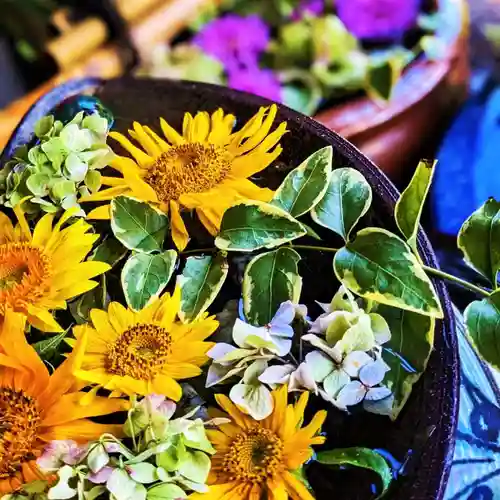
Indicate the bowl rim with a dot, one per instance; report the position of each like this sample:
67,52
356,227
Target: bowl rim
425,487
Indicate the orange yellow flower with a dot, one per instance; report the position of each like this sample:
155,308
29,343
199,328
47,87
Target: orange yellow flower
144,352
36,407
205,169
257,459
39,271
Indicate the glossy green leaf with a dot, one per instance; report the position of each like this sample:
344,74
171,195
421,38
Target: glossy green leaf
482,320
270,279
253,225
409,207
382,78
380,266
359,457
407,352
138,225
305,185
97,298
110,250
200,282
49,348
145,276
479,239
346,200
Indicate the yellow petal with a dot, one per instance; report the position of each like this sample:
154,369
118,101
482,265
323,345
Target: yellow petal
164,146
171,134
240,419
112,181
210,223
180,371
80,431
180,235
200,127
167,386
256,138
100,213
43,319
106,194
187,127
123,163
247,165
81,272
146,142
43,230
75,289
23,224
140,156
6,229
296,488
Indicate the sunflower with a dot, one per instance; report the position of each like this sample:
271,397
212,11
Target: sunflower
40,271
36,407
257,459
143,352
205,169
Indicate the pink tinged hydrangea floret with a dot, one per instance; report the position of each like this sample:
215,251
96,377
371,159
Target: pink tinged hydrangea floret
60,452
236,41
378,19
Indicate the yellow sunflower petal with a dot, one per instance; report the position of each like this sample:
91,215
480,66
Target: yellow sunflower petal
100,213
296,488
164,146
80,431
167,386
239,417
181,371
180,235
171,134
247,165
146,142
6,229
209,221
81,272
112,181
200,127
187,127
107,194
140,156
23,223
43,230
42,319
217,492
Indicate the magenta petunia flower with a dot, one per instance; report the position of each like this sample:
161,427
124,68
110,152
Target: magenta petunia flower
262,82
308,7
234,40
378,19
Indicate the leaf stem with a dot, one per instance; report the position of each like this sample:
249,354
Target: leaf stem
317,249
199,250
459,281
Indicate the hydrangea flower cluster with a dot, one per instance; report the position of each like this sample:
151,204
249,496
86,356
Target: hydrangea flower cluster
345,368
61,168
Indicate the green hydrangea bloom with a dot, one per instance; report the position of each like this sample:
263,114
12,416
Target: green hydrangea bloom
64,166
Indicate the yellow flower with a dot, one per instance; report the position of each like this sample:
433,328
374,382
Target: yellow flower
144,352
40,271
36,408
256,459
205,169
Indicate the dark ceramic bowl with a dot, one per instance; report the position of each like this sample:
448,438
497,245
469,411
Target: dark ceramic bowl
422,439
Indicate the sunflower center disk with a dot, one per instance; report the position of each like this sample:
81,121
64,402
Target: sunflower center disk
188,168
254,456
25,274
19,421
139,352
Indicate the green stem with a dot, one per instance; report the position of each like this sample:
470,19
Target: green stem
199,250
317,249
449,277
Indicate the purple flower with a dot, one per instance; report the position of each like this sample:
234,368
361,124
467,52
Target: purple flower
234,40
308,7
262,82
378,19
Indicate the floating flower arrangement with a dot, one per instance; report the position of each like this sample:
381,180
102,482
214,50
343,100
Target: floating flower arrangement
136,365
307,54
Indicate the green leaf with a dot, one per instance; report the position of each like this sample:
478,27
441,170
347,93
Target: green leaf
93,180
165,492
482,319
109,250
359,457
382,78
252,225
380,266
347,199
96,298
138,225
49,348
304,186
145,276
409,207
479,239
200,282
37,184
270,279
407,352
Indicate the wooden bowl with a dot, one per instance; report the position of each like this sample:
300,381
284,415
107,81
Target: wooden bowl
423,436
396,135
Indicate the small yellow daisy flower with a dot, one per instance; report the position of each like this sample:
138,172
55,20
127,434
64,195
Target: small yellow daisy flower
40,271
205,169
143,352
256,459
36,408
